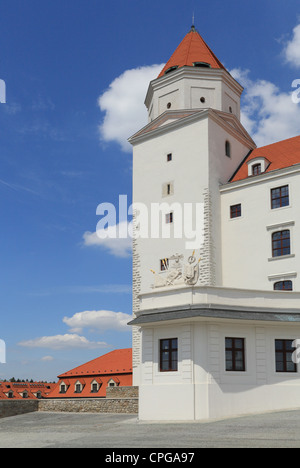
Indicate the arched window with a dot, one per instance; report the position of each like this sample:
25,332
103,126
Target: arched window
228,149
281,243
283,286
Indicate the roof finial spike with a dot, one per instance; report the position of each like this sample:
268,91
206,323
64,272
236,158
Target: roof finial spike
193,22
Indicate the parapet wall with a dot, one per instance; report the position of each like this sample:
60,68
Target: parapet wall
14,408
119,400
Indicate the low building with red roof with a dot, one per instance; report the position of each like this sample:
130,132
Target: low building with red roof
90,380
25,390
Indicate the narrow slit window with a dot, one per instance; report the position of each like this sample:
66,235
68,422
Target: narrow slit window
228,149
169,218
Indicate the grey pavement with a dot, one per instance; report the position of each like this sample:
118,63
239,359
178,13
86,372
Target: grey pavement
85,430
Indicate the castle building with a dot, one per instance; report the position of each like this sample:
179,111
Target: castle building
91,380
216,286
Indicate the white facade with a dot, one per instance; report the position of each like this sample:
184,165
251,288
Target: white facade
197,297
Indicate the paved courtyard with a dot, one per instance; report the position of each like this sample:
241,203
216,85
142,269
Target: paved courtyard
68,430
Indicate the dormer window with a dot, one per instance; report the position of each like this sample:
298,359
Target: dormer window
78,387
257,166
256,169
63,388
171,69
112,383
202,65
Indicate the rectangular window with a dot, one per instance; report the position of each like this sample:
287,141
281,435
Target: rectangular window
169,157
236,211
164,264
169,355
256,169
94,388
62,389
78,388
169,218
281,243
284,351
280,197
235,354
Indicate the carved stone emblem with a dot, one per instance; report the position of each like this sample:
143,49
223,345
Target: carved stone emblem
176,273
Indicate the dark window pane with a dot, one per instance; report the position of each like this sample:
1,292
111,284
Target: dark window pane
168,355
284,353
235,354
228,343
280,197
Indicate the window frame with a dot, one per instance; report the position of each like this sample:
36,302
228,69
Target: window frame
281,197
78,387
170,350
282,248
256,169
233,350
284,283
236,211
285,352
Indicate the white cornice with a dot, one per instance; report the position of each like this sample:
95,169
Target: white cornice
195,116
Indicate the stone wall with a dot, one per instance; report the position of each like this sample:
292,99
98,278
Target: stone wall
90,405
14,408
122,392
120,400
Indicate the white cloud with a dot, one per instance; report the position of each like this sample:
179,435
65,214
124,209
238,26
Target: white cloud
47,358
123,104
292,49
116,239
100,320
269,114
58,342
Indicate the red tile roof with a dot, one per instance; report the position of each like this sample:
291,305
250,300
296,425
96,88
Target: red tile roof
115,362
116,365
18,388
192,49
283,154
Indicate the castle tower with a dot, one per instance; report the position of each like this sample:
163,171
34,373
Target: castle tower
193,142
193,78
215,237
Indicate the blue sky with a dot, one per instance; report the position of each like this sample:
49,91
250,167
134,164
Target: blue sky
76,76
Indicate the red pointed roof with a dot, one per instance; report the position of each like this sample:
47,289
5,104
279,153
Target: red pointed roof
192,49
283,154
115,362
